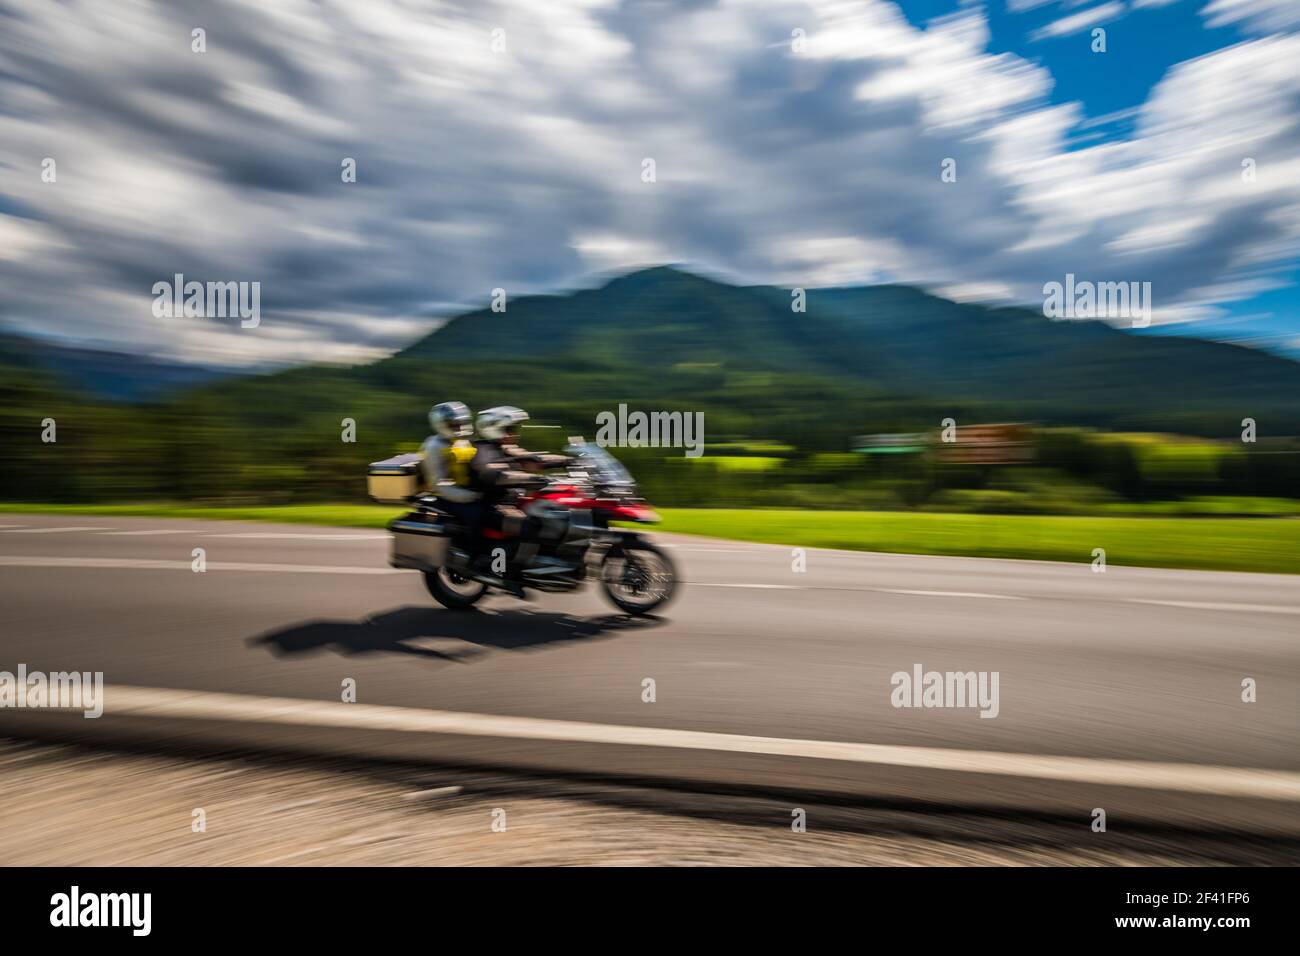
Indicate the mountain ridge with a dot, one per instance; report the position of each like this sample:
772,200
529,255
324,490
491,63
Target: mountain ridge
858,358
891,339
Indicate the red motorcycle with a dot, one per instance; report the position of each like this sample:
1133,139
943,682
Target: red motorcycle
564,539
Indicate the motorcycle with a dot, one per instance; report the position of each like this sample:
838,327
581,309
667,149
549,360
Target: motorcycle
565,538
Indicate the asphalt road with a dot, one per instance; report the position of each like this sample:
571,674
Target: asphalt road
1133,665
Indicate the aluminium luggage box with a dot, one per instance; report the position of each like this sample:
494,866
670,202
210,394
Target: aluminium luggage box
419,542
394,481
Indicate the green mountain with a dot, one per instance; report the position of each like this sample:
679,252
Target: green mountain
670,333
103,373
859,360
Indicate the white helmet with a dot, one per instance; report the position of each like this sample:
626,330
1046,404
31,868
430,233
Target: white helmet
495,423
451,420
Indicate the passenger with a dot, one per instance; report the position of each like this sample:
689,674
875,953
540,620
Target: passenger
448,453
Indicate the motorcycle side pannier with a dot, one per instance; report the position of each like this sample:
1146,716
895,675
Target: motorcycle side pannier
419,541
395,480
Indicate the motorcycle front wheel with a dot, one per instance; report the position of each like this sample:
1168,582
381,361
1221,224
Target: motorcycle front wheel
638,577
453,591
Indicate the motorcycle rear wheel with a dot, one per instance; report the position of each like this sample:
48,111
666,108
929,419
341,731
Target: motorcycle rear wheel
453,591
638,577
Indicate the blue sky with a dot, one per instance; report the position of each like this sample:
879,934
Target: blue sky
503,143
1142,45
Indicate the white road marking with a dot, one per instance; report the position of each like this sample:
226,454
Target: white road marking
773,587
1181,777
967,594
284,536
716,550
158,531
17,561
156,565
435,792
810,587
724,665
21,530
1221,606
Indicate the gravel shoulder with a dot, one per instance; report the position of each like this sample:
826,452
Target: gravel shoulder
73,806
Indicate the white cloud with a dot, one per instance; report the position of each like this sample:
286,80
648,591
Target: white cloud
1078,22
1160,234
1259,16
606,252
522,169
989,292
836,260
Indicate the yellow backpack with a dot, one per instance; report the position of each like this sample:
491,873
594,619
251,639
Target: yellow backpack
458,456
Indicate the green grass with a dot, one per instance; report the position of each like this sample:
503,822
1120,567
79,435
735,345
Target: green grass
1227,544
739,462
352,516
1221,505
748,448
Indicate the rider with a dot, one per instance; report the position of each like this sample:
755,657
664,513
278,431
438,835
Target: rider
448,453
497,466
500,465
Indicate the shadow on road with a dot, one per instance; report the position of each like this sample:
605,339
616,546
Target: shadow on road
406,630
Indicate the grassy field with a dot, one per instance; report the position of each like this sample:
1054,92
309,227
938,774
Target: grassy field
739,462
351,516
1228,544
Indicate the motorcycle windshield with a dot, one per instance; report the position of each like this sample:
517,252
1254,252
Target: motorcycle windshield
603,467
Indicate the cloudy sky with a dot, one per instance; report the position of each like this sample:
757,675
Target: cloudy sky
503,145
